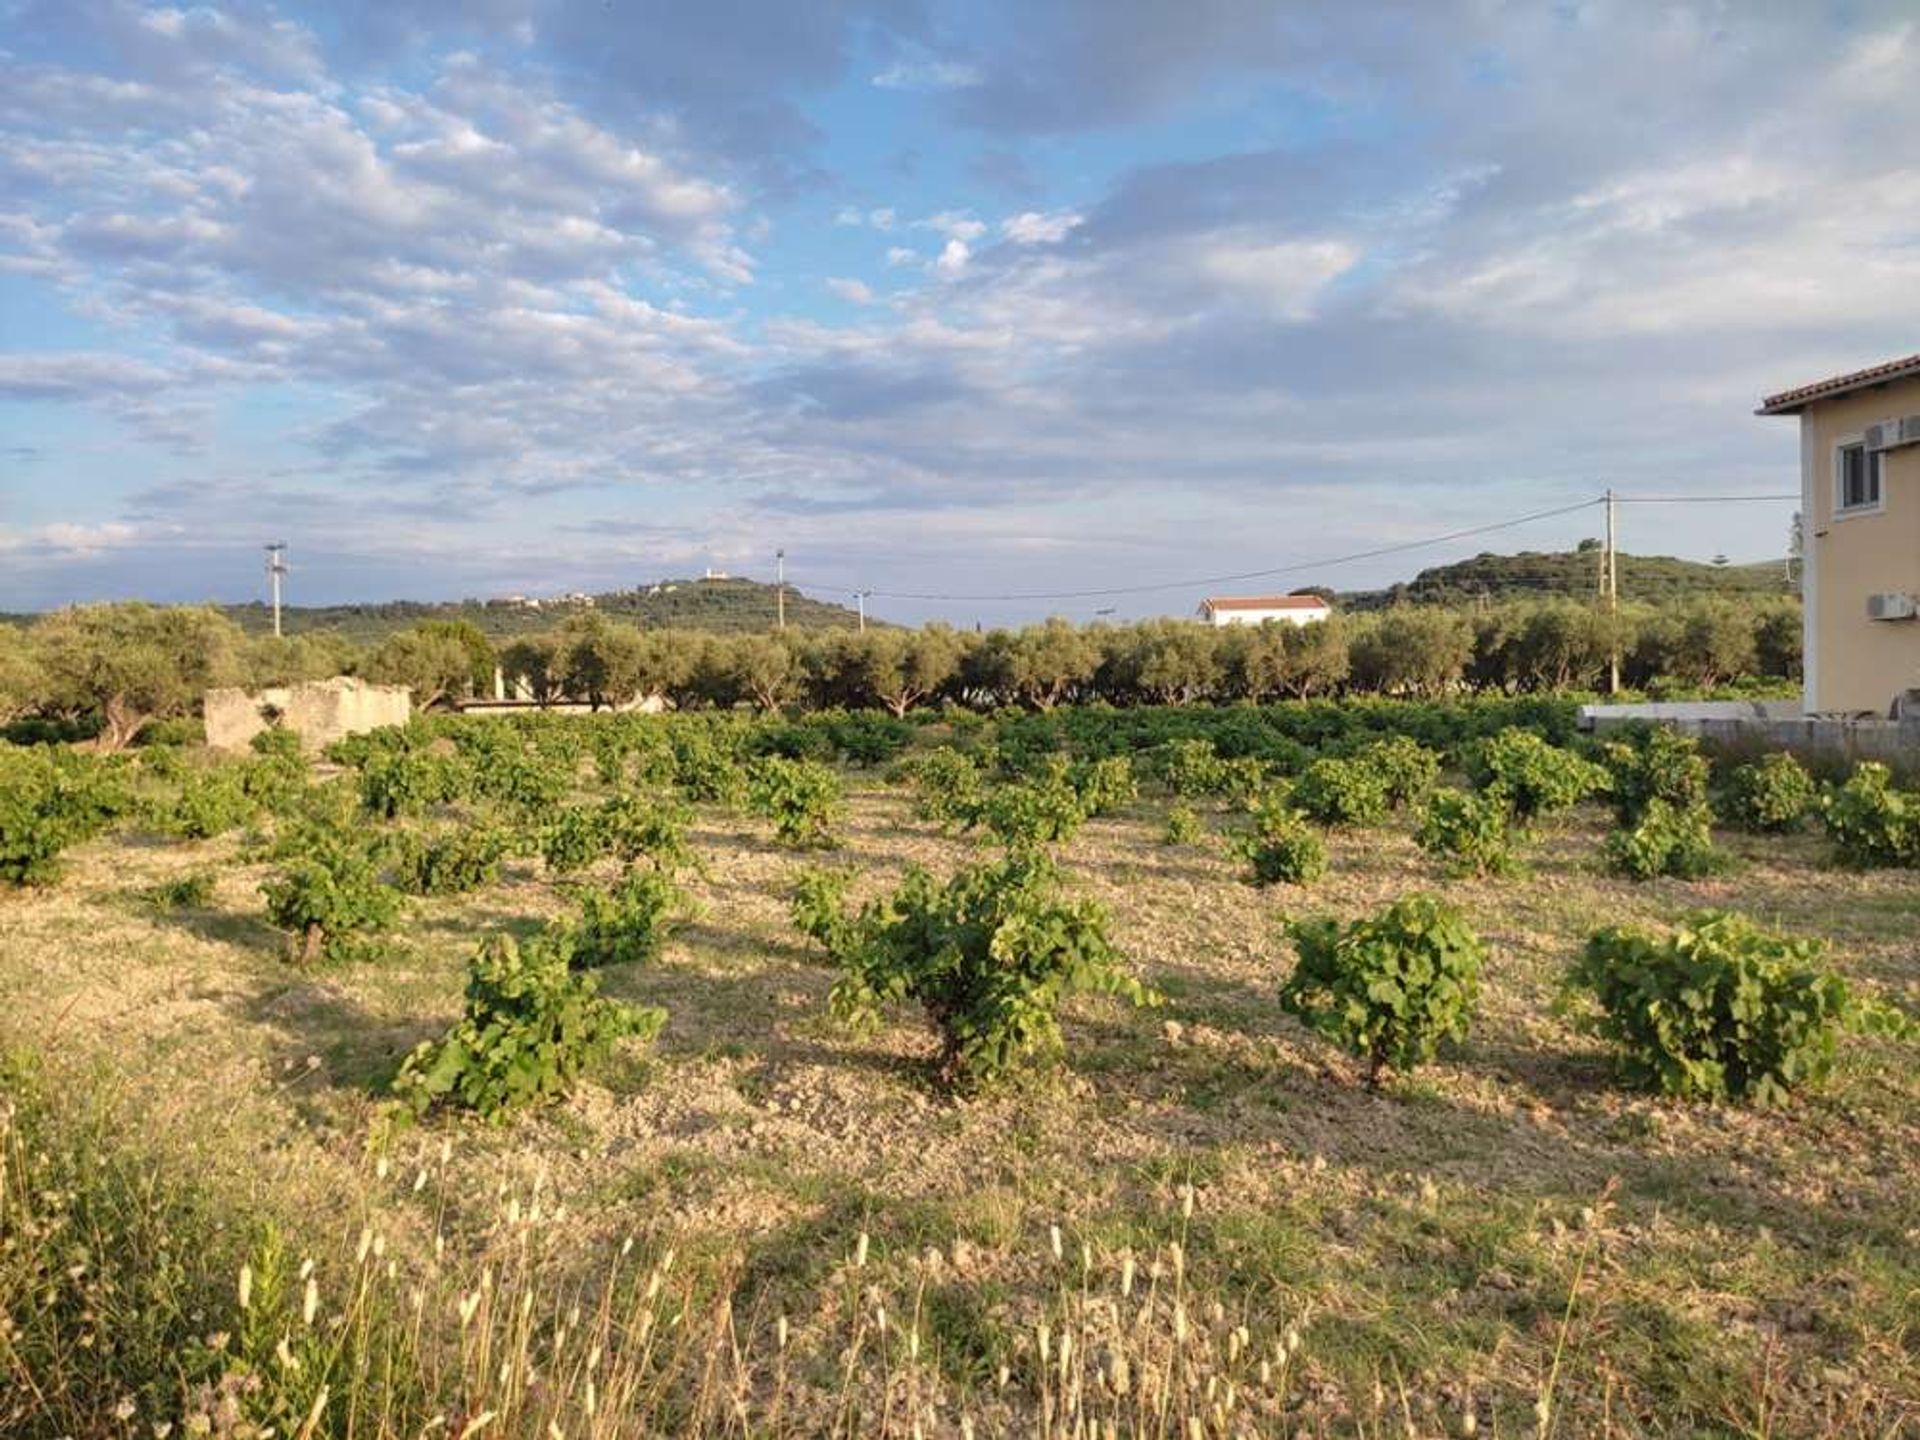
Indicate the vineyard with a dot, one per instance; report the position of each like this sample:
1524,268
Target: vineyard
1325,1067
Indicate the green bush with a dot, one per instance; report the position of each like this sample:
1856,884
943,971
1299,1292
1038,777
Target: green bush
802,798
453,862
989,955
652,830
1282,847
527,784
574,838
1773,794
51,798
1029,813
277,741
1104,786
1719,1009
1407,769
328,894
1531,777
947,785
1183,827
703,770
819,910
208,801
1390,987
1664,841
409,782
1872,824
1190,768
1655,764
1342,792
628,923
532,1026
1470,833
184,892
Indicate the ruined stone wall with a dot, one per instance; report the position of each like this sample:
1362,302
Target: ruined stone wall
319,712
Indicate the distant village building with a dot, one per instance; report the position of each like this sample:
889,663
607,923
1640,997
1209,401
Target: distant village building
1253,609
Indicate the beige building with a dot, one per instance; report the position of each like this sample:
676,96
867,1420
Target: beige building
1257,609
1860,527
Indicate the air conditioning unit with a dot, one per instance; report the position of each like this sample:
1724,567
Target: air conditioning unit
1892,434
1892,605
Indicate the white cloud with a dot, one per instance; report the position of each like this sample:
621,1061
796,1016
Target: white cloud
1284,278
854,292
927,75
952,259
955,225
1033,228
901,255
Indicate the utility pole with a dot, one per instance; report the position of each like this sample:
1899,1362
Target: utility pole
780,587
860,599
1613,603
276,567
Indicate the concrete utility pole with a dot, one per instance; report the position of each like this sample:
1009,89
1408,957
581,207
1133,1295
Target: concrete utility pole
1613,604
860,599
780,587
276,567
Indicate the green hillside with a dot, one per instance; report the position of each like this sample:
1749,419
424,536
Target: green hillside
717,605
1575,573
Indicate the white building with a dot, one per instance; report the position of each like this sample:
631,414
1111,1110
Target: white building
1253,609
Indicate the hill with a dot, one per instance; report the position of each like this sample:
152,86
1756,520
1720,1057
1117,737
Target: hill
728,605
1575,573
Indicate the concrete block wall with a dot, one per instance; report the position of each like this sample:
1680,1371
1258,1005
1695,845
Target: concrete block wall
319,712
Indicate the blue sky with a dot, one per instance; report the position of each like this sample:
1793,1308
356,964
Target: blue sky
470,297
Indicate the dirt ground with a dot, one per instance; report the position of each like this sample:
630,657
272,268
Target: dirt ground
1732,1271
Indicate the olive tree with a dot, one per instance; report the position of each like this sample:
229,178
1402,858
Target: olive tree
128,663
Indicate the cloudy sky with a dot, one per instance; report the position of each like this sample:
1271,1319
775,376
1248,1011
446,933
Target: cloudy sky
947,299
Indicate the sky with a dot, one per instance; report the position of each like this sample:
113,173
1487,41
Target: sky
952,302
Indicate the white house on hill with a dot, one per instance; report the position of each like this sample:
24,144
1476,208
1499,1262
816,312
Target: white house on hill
1252,609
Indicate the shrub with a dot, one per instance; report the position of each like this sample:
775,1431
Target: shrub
1664,840
51,799
1872,824
1183,827
276,741
655,831
1531,777
184,892
209,802
1282,847
1030,813
989,955
866,738
947,785
1104,786
1342,792
630,922
1190,768
451,863
1407,769
529,784
801,797
531,1028
702,770
409,782
1657,764
1774,793
575,838
1390,987
1719,1009
819,910
1469,832
328,894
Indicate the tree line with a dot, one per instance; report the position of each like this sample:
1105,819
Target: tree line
110,669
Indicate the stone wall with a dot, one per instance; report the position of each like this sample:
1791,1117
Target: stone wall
1748,725
319,712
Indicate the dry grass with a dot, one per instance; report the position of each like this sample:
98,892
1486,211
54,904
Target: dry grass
1438,1250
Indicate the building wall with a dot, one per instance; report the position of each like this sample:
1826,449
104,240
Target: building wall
1255,617
319,713
1853,663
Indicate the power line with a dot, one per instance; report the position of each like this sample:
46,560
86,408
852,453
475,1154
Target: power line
1288,569
1696,499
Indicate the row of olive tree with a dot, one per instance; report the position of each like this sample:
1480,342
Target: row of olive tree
115,667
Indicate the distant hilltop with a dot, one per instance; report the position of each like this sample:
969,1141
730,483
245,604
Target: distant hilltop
714,602
1534,574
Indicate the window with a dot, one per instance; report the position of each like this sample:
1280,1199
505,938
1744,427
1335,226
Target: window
1857,471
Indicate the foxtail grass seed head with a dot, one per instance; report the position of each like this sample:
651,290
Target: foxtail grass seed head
1186,1202
446,1151
1469,1422
1543,1412
1001,1379
1293,1340
1053,1234
780,1332
306,1268
283,1352
860,1250
1178,1254
380,1168
420,1180
966,1427
310,1303
1044,1338
365,1246
1179,1323
1126,1275
913,1344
